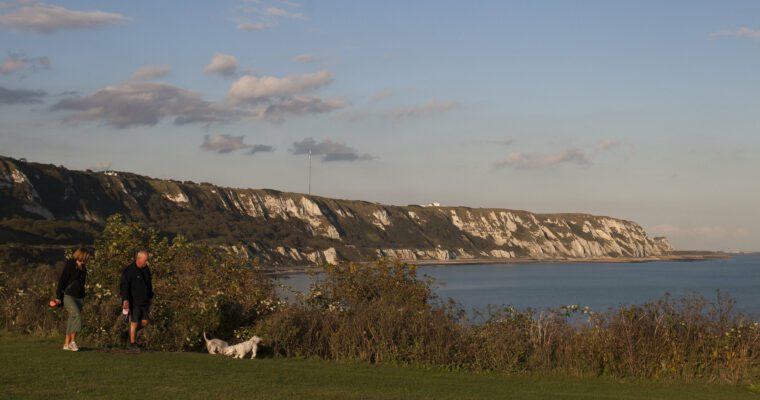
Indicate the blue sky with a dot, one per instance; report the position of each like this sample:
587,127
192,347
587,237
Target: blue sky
641,110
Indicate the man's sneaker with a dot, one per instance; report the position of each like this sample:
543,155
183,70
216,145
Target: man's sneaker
133,347
65,347
73,346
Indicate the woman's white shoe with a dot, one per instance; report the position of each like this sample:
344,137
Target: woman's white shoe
65,347
73,346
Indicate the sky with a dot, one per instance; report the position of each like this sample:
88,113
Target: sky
642,110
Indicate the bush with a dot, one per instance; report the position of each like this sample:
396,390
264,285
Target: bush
384,313
377,313
198,289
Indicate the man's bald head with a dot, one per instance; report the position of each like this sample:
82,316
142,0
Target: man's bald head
141,259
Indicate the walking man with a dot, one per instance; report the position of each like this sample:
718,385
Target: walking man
136,294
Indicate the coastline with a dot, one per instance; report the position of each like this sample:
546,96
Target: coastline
678,257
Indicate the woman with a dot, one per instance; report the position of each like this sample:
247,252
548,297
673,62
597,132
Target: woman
70,292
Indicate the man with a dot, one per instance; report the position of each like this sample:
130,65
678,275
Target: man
136,294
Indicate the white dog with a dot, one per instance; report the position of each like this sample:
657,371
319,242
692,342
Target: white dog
215,346
241,349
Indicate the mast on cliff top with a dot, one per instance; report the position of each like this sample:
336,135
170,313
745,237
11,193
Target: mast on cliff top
309,172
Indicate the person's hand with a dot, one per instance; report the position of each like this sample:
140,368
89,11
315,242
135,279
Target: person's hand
54,303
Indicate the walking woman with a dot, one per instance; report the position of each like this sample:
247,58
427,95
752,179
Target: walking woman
71,292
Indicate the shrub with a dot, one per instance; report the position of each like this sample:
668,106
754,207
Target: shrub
198,288
384,313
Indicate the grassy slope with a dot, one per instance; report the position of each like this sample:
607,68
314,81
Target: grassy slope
33,368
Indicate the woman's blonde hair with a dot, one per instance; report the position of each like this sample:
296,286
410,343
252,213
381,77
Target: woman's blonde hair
82,255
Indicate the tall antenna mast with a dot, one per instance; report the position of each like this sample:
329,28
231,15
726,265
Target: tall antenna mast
309,172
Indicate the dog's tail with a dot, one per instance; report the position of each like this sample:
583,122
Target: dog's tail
204,336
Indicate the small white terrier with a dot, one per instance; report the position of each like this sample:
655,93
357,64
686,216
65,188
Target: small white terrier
241,349
215,346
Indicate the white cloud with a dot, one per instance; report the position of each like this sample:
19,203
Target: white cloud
328,150
144,103
252,89
48,18
743,32
305,58
19,63
222,64
429,108
149,72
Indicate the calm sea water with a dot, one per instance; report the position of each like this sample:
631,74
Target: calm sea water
597,285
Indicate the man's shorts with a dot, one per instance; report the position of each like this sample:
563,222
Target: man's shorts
139,313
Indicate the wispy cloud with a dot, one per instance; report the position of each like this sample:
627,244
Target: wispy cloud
48,18
224,144
18,63
100,166
743,32
223,65
519,160
328,150
608,144
492,142
698,232
571,155
149,72
383,94
254,25
300,105
430,108
305,58
283,13
20,96
352,116
261,15
259,148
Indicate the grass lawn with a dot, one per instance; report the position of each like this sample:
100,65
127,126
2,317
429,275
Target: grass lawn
37,368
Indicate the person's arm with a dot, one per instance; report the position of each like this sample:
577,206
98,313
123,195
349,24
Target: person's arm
150,284
124,289
63,280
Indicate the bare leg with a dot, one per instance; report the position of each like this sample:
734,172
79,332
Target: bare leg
132,332
73,336
67,340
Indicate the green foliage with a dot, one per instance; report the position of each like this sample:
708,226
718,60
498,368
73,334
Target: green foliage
384,313
198,289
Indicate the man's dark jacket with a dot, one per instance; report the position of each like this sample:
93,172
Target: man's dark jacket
136,285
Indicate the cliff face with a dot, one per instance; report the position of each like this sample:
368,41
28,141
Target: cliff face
291,228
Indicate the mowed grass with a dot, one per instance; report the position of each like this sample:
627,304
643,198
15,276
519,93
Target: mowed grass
35,368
